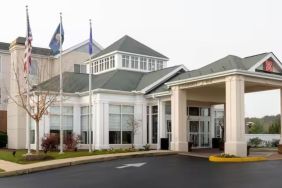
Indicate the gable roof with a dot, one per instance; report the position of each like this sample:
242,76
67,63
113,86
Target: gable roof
72,48
4,46
128,44
229,62
118,80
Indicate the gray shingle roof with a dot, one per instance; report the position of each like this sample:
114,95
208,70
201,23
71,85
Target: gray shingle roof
229,62
120,80
128,44
4,46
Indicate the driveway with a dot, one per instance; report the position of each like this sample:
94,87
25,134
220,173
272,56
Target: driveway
164,171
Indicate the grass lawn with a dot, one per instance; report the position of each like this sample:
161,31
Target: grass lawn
18,158
2,170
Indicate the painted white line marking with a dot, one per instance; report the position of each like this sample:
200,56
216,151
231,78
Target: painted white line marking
131,165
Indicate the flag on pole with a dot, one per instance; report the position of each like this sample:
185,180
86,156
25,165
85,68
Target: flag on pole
90,40
28,46
55,41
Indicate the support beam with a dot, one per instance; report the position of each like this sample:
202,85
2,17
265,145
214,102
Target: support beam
235,143
179,119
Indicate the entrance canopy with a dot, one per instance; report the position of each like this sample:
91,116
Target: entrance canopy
222,82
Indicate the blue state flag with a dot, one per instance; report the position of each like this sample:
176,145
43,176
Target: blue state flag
55,41
90,42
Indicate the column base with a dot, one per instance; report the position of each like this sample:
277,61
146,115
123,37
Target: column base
179,146
236,148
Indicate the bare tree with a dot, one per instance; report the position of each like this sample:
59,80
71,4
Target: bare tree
40,99
134,126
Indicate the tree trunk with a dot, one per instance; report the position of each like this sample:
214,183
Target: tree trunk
37,137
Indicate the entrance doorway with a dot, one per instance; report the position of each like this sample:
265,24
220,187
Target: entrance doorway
198,127
199,133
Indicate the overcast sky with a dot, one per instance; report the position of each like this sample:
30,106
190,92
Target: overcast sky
193,33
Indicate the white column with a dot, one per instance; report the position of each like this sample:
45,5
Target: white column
99,125
105,130
178,119
235,143
280,142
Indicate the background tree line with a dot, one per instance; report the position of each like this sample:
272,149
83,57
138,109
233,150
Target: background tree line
264,125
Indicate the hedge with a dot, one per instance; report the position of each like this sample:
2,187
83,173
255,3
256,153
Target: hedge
3,140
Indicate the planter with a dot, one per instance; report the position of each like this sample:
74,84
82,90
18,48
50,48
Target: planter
190,144
279,148
221,146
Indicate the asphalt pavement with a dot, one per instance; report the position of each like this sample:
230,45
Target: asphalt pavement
173,171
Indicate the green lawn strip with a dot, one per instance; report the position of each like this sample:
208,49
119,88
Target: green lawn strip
1,170
18,158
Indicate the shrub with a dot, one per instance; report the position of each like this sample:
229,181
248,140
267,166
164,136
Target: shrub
225,155
146,147
3,139
50,142
255,142
275,142
71,141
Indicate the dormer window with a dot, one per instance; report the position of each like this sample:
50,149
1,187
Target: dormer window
125,61
138,58
112,61
134,62
143,63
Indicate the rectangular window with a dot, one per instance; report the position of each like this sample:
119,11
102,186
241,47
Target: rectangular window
112,61
125,61
134,62
107,63
32,136
153,65
121,119
67,117
84,119
149,64
83,68
96,68
33,68
154,124
159,65
143,63
194,111
101,65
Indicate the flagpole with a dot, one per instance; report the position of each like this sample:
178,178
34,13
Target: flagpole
61,88
90,93
27,98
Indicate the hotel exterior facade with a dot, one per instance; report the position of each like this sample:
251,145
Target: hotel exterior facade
131,84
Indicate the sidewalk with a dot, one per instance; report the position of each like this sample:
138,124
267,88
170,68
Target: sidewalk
17,169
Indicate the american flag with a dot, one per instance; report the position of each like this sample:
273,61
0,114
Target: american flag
28,47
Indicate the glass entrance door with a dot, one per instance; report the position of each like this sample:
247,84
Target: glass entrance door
199,133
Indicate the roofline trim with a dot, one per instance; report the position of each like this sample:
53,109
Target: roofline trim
148,56
99,90
129,53
72,48
226,73
156,83
160,94
270,55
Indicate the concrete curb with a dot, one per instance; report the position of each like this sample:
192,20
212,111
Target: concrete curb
82,160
